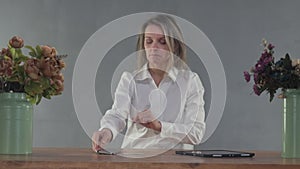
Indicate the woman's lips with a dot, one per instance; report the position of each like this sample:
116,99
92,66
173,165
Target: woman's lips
155,55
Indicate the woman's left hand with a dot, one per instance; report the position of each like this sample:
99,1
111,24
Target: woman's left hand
147,119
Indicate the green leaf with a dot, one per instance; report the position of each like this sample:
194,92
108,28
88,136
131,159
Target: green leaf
33,88
32,54
47,94
18,52
13,52
272,94
32,51
12,79
45,82
5,57
21,58
39,98
31,99
39,51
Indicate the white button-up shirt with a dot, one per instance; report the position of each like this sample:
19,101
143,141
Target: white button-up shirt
177,103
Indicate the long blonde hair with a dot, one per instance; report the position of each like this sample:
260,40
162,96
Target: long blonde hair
173,36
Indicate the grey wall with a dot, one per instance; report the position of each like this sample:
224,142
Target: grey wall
235,27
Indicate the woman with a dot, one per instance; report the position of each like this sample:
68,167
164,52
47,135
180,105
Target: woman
162,102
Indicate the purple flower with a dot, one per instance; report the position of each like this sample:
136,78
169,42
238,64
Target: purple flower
264,55
247,76
270,46
255,77
267,60
259,67
256,90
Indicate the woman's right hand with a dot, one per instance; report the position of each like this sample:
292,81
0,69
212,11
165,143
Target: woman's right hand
101,138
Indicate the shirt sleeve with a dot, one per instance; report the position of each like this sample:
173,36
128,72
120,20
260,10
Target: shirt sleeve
115,118
190,129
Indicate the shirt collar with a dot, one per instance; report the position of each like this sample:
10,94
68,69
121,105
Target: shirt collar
143,73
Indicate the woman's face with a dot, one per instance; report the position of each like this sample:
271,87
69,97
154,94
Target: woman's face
157,50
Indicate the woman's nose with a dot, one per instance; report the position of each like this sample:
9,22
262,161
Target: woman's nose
154,45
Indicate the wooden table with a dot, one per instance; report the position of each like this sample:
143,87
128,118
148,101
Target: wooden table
74,158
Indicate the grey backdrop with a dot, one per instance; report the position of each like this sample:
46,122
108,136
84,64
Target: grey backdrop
235,27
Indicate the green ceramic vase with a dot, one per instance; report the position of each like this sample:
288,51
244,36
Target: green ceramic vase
15,124
291,124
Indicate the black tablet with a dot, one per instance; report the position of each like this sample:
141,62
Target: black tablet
104,152
215,153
